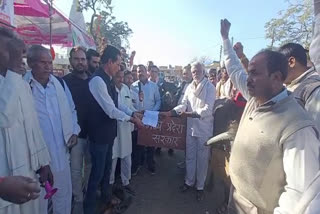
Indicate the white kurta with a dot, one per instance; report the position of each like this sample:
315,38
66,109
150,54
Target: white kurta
198,99
58,121
310,199
22,147
123,143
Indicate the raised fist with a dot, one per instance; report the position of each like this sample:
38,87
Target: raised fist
225,28
238,48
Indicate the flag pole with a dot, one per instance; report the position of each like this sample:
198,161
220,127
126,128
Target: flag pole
50,22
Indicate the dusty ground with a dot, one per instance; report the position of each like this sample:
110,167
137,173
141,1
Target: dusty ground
159,193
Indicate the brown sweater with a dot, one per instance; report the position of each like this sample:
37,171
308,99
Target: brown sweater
256,162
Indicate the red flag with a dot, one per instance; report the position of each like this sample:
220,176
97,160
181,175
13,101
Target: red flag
53,54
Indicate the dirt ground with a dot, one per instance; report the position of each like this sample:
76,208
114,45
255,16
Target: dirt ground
159,193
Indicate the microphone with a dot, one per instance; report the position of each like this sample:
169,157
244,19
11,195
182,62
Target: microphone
140,92
139,84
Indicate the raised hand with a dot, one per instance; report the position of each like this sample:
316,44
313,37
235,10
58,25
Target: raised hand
19,189
225,28
133,54
238,48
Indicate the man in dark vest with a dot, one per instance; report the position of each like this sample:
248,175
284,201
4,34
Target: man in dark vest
77,81
304,83
103,113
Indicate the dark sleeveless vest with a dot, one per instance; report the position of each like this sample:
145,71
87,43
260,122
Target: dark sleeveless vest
101,128
307,85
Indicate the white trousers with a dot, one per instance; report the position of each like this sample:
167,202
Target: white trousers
80,168
32,206
125,170
197,161
61,201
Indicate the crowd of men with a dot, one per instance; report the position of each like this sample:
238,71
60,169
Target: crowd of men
79,133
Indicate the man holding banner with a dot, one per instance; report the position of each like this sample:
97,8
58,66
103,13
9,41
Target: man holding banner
197,105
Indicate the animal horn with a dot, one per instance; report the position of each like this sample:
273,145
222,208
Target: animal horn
221,137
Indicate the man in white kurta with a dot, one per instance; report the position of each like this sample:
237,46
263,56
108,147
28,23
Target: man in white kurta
22,148
197,104
122,147
19,126
58,122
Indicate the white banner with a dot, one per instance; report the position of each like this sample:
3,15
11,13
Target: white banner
6,12
81,39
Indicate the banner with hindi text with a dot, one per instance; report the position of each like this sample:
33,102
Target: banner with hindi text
170,133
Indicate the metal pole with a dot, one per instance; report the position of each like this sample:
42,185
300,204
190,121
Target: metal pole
220,53
50,22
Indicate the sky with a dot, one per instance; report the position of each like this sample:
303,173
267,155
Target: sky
176,31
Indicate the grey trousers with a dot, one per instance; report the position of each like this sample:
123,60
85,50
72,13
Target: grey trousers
80,168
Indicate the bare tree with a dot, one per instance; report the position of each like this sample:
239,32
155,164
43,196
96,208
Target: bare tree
103,25
293,24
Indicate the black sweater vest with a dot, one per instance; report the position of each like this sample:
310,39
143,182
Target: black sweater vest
101,128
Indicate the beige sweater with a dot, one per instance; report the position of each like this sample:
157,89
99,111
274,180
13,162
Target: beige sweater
256,166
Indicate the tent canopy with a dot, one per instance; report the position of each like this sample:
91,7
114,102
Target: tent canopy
32,20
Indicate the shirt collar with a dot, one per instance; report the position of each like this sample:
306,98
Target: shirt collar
120,87
110,77
32,79
157,82
282,95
